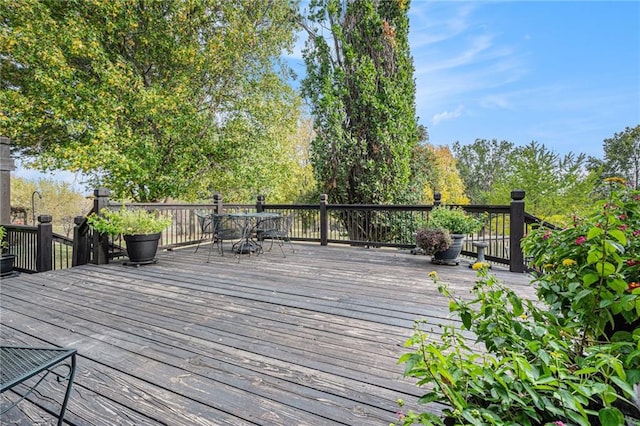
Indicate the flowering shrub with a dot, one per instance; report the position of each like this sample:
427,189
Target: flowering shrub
433,240
589,272
574,359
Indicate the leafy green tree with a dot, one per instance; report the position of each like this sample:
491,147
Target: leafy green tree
446,180
479,165
556,186
622,156
362,94
57,199
151,99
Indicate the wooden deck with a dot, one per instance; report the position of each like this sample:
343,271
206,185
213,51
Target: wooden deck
310,339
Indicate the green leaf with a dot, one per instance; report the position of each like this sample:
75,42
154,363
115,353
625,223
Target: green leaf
594,232
611,417
590,278
619,236
466,319
605,268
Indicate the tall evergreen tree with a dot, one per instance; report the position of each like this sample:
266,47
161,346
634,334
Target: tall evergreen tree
362,93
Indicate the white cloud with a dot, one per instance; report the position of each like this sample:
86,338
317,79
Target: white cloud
448,115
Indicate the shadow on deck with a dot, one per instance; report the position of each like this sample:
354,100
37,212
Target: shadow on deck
310,339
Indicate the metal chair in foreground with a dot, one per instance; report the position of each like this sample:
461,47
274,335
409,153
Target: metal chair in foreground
19,364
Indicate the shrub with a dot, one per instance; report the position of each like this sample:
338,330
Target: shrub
453,219
433,240
128,222
4,244
574,359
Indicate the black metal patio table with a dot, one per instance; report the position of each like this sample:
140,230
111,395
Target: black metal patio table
18,364
249,222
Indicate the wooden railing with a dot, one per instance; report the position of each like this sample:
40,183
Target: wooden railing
38,249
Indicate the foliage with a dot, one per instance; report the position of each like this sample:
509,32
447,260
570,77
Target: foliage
453,219
447,180
4,244
622,156
589,272
553,184
423,174
128,222
479,165
152,99
574,358
59,199
362,94
531,373
433,240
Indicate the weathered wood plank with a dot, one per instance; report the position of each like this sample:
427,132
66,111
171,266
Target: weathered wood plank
312,338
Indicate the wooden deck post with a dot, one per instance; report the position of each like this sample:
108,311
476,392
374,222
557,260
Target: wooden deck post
7,165
324,221
217,200
100,243
44,243
260,204
437,199
516,231
80,242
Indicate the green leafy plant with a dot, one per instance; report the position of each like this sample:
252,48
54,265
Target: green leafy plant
4,244
589,272
128,222
453,219
433,240
572,359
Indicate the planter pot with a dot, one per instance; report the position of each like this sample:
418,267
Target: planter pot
6,264
451,255
142,249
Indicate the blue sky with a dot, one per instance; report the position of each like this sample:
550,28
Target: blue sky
565,74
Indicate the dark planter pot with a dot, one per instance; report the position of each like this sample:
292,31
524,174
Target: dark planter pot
451,255
6,264
142,249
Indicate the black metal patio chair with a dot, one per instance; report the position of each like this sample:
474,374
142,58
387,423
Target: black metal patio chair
276,229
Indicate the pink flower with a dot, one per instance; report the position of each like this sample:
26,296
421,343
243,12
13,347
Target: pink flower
623,217
558,423
623,227
546,235
581,240
636,232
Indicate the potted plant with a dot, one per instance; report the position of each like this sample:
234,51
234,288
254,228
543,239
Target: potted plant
140,229
433,240
458,223
6,259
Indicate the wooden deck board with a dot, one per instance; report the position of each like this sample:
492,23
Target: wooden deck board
310,339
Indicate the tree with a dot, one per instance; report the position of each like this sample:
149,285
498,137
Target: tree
362,94
556,186
622,156
446,179
57,199
151,99
479,165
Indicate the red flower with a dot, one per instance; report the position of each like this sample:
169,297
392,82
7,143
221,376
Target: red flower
546,235
623,217
632,286
636,232
632,262
623,227
581,240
